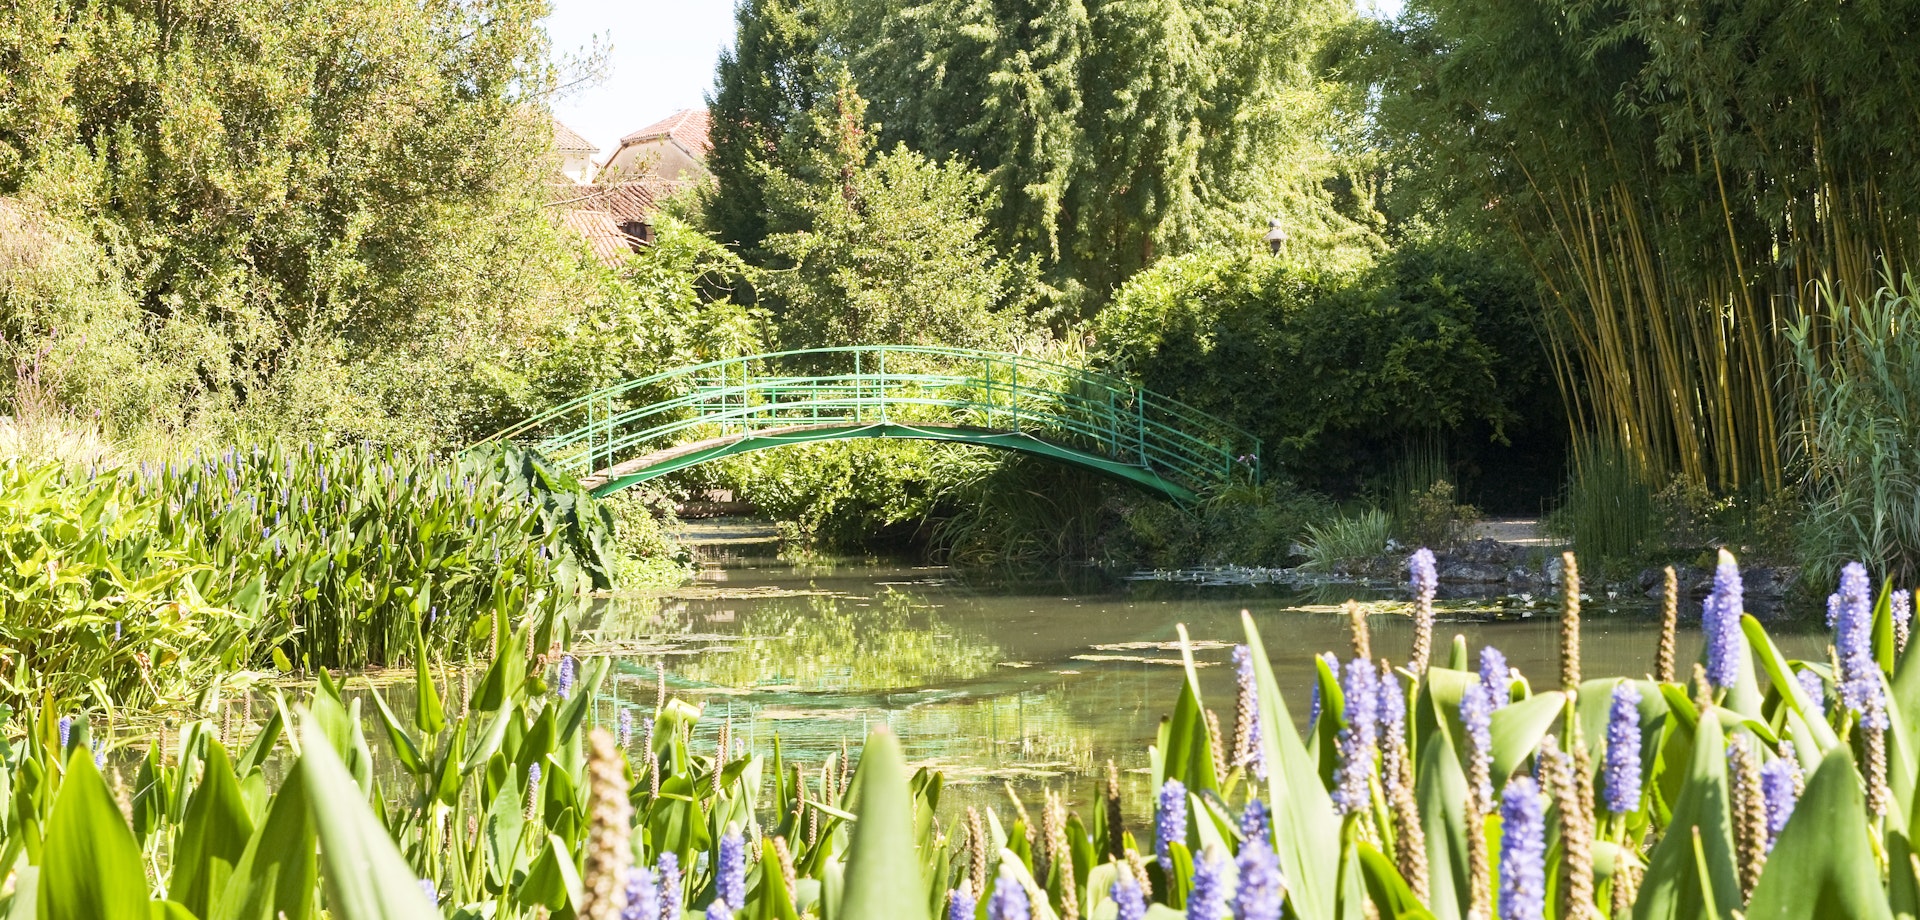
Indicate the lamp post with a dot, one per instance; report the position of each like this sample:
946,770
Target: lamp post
1276,237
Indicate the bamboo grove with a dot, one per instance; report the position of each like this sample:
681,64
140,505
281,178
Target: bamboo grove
1744,784
1685,184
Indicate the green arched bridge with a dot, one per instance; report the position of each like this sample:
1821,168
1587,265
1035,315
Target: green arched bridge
631,432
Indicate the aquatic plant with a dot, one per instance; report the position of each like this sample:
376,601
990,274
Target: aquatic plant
514,802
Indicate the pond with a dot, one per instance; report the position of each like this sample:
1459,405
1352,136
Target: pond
1036,681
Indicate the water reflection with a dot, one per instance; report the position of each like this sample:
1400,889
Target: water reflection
1029,683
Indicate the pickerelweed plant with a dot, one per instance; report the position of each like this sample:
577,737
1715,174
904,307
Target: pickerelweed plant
134,586
515,803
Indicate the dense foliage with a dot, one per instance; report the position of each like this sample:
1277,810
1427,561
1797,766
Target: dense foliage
134,586
1342,376
1860,432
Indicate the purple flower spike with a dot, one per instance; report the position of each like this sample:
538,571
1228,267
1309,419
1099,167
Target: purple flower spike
1476,714
668,871
1009,901
566,677
719,910
1779,784
1248,688
1262,886
1392,705
960,903
1813,687
1720,620
1523,852
66,731
1623,750
624,731
643,899
1356,740
1860,686
1256,823
1170,821
731,883
1422,576
1126,896
1496,677
427,888
1211,888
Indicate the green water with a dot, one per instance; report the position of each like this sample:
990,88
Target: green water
1035,682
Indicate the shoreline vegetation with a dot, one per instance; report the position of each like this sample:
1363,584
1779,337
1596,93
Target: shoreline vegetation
1453,786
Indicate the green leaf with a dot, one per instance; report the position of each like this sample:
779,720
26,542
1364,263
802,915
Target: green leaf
1304,822
90,867
1775,664
276,877
883,871
772,901
366,877
428,716
1386,888
213,836
1675,887
1517,729
1823,864
1441,790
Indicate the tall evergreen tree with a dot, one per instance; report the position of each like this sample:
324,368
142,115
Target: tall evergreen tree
766,90
1113,130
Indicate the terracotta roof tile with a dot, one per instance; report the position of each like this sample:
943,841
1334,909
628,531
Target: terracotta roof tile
687,127
603,234
633,200
567,140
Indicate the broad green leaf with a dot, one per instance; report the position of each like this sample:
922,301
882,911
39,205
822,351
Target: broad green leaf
772,900
1304,822
276,877
1517,729
1675,887
428,716
883,871
90,867
1823,863
366,878
1441,790
1775,665
213,836
1386,889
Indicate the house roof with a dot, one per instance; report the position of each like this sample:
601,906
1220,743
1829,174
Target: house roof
567,140
687,127
634,200
602,232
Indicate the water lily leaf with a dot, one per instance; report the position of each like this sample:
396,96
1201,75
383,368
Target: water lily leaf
1823,863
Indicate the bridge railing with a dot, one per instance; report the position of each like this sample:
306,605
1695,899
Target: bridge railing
894,385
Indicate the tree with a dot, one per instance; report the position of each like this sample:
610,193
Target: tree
304,200
766,89
895,252
1113,131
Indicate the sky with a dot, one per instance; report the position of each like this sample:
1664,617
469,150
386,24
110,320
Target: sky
662,57
663,54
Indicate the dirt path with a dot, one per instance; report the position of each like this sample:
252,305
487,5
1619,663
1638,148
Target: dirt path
1518,531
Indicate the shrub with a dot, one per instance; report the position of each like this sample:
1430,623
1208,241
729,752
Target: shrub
1347,539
